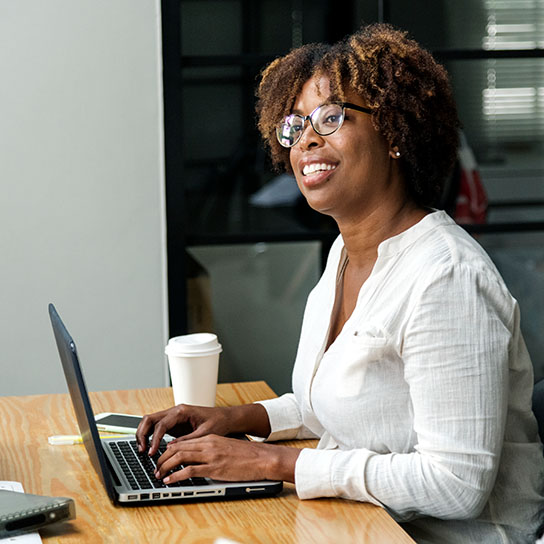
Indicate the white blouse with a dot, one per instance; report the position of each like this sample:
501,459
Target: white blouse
423,402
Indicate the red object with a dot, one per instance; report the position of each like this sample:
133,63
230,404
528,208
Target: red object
471,202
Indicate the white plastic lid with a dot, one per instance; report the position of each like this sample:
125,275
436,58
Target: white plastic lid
193,345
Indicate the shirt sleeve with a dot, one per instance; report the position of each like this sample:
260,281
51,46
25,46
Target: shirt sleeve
285,419
455,350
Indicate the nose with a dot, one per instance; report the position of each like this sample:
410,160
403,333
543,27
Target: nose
310,138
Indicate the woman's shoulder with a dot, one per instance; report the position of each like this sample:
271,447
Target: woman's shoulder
443,243
438,249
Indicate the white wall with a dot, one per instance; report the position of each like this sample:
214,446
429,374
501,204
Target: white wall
82,205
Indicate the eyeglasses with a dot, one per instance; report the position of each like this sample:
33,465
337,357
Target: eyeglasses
325,120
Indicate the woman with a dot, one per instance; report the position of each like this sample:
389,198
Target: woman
411,368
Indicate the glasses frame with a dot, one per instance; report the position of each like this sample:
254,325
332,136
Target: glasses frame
344,105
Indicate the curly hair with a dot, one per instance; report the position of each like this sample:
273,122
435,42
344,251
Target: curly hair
408,91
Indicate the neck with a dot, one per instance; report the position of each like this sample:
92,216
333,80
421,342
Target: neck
363,235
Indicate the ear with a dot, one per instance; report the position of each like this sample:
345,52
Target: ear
394,152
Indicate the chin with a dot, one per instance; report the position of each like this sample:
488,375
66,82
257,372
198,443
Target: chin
320,207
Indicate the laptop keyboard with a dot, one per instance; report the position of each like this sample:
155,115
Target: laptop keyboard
139,468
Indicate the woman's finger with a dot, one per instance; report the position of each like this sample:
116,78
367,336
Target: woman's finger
199,432
145,428
176,456
190,471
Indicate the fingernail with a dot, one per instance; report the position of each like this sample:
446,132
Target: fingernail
157,474
166,480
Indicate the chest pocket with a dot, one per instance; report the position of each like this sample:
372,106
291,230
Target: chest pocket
370,336
359,354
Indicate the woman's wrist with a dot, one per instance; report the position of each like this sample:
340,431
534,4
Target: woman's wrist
280,462
250,419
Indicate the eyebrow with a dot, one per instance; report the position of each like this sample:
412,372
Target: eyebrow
348,105
299,112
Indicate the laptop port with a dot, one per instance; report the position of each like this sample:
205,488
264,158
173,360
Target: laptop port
176,494
132,497
188,493
156,495
144,496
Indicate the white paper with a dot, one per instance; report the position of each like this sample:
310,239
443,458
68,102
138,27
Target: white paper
29,538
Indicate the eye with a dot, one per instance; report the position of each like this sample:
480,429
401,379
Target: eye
332,119
329,116
294,122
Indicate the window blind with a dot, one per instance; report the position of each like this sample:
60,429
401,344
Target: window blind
512,94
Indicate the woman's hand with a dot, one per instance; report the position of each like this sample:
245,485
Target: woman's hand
226,459
182,420
188,422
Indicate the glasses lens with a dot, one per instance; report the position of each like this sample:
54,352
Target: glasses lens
327,118
290,131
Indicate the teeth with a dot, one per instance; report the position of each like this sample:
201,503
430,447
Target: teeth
317,167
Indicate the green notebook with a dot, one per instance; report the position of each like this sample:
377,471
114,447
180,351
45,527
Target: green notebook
23,512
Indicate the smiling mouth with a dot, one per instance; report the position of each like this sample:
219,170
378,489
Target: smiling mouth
317,167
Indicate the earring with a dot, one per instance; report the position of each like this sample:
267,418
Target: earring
394,152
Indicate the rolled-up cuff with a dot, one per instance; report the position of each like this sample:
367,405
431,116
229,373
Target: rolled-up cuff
284,417
333,473
313,474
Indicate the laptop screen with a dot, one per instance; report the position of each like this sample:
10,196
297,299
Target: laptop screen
80,400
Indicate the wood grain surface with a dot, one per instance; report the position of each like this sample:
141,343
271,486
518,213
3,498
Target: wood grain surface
27,457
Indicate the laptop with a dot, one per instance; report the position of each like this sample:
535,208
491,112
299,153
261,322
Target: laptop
24,513
127,475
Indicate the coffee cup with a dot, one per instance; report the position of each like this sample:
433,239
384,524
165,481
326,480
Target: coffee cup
193,360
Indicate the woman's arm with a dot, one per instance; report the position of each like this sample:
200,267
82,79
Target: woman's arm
207,454
227,459
188,422
203,445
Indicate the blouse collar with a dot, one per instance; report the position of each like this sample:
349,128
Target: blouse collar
398,243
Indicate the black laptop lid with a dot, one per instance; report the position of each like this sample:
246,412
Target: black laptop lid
80,400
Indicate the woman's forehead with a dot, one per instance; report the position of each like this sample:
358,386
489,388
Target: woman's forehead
315,90
318,90
321,84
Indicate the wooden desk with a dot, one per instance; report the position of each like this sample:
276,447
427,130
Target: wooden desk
26,456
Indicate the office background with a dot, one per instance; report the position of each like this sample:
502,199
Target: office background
138,193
